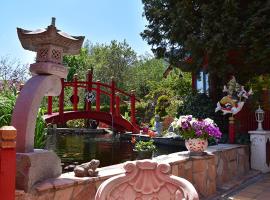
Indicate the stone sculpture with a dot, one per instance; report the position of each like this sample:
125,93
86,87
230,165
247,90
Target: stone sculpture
146,179
87,169
158,125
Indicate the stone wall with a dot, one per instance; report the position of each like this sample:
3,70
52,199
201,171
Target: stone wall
221,164
231,161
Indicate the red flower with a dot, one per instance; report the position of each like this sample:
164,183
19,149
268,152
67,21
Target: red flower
133,140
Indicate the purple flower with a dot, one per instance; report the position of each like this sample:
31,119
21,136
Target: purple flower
185,125
199,133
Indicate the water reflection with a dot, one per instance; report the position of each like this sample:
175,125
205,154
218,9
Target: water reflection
109,150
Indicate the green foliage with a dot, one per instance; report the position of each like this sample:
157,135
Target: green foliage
258,85
7,102
198,105
126,116
108,61
162,103
76,123
145,146
201,106
230,34
144,111
40,133
143,74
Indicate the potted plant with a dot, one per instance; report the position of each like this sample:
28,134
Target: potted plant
197,132
144,149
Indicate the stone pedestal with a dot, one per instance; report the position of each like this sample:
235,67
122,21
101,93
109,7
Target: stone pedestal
260,150
36,167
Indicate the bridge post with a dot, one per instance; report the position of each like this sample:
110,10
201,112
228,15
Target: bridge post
49,111
75,92
61,100
132,107
7,162
112,102
98,96
117,105
89,87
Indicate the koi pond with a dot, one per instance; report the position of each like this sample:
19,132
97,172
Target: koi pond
109,149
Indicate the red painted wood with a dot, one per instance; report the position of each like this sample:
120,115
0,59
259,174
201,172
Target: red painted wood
89,87
231,132
96,86
117,106
49,105
83,84
132,108
98,96
112,100
119,123
75,93
7,173
61,99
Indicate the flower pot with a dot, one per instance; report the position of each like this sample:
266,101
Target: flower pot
196,146
143,154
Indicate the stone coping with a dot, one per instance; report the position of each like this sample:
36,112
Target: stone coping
223,147
69,180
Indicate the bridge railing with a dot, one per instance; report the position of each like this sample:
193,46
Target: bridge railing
89,85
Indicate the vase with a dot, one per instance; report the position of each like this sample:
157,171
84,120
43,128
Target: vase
196,146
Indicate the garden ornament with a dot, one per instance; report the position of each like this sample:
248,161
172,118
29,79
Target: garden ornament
158,125
234,101
87,169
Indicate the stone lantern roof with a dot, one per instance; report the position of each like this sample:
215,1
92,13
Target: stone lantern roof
50,44
33,40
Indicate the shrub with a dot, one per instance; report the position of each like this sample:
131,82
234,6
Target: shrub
163,102
145,146
40,133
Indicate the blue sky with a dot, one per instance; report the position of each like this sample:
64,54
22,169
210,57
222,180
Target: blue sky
98,20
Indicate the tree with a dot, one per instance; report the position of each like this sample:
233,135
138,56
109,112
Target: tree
231,35
143,73
12,70
108,61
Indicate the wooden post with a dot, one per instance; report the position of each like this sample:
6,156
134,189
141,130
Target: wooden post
7,162
61,100
231,130
98,96
132,107
117,105
49,105
112,102
194,79
89,87
75,92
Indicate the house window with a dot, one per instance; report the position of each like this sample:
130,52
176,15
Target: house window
202,83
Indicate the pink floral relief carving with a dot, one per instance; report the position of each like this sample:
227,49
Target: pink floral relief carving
146,180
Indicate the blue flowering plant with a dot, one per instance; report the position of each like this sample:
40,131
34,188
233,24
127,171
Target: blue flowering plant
189,128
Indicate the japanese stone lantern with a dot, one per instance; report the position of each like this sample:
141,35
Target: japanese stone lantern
50,44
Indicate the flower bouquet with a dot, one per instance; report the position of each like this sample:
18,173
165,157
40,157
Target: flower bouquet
196,132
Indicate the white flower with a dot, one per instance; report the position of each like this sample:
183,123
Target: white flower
209,121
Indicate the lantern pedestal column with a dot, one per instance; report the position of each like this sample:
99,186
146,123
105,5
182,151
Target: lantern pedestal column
260,150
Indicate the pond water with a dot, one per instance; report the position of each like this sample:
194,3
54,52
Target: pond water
76,148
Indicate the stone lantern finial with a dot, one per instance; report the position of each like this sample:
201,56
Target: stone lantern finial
53,21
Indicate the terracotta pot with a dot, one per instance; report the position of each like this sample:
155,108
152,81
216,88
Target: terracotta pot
196,146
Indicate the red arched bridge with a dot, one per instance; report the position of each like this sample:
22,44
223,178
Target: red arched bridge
112,118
